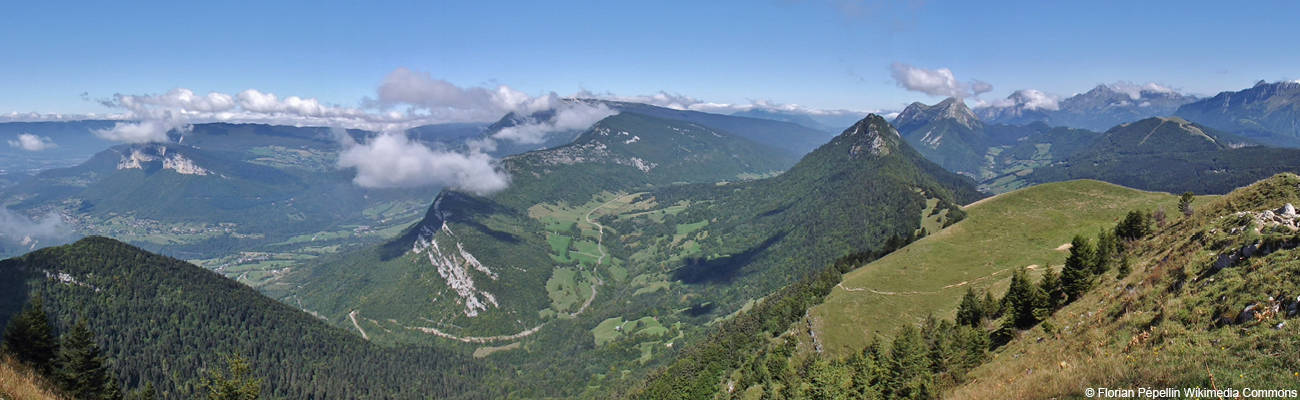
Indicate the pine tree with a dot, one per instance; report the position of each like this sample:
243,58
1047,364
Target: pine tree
81,372
830,381
1076,276
991,307
1053,294
235,383
1134,226
30,338
868,370
970,312
146,393
1107,248
909,366
1022,300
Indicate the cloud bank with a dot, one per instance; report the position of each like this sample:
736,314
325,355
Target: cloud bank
18,229
30,142
1134,90
936,82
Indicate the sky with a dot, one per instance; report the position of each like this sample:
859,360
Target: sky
72,58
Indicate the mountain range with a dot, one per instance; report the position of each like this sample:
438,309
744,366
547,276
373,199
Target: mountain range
1267,112
671,253
1098,109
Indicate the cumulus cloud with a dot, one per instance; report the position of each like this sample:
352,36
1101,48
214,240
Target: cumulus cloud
1029,99
447,101
44,231
30,142
935,82
393,160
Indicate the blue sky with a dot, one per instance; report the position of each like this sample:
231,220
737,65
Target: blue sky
824,54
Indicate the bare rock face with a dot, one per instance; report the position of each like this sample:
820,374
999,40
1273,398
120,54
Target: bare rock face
1287,211
157,155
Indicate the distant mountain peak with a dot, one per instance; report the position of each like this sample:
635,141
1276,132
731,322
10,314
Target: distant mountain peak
950,108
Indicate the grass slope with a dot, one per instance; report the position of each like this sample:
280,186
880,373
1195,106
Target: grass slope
1012,230
1173,322
19,382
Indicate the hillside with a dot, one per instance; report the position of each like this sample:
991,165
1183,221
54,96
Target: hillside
1188,157
19,382
622,153
1210,303
1012,230
1267,112
164,321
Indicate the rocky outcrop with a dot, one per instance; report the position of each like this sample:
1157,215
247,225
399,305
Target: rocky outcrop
141,157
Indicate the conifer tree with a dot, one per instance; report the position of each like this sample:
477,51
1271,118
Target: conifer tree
30,338
81,371
1053,293
236,382
909,366
1106,251
1076,276
1022,300
970,312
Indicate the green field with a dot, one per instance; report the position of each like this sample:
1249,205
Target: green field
1025,228
568,288
614,328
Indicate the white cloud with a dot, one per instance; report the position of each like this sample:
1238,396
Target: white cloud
44,231
445,100
569,116
1134,91
392,160
30,142
140,132
935,82
1029,99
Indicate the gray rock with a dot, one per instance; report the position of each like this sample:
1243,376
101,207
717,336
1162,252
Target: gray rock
1247,314
1287,210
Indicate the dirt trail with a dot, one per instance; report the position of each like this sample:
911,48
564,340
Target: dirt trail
353,316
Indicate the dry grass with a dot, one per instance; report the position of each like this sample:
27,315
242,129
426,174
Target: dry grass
20,383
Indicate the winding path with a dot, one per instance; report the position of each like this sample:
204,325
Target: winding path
600,245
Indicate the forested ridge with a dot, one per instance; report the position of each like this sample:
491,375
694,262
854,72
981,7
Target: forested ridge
165,322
